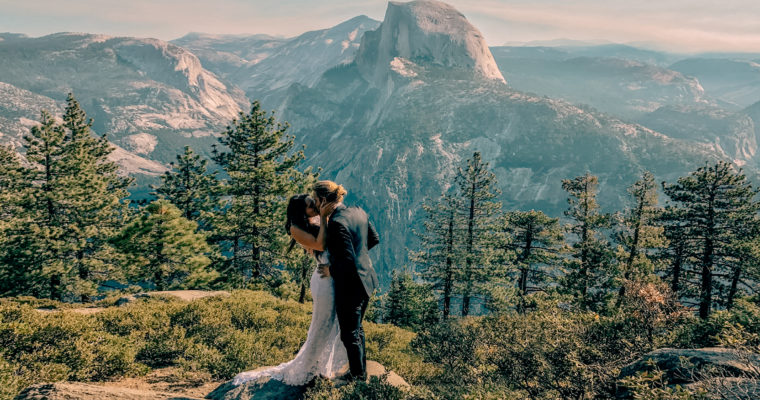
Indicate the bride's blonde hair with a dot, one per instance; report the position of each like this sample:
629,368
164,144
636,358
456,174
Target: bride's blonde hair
329,191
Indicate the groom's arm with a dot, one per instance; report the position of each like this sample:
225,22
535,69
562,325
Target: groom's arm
372,237
341,247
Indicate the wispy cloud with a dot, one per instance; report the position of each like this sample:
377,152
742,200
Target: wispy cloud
696,25
685,25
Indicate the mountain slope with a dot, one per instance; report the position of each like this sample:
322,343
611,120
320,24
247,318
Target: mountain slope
397,141
732,134
149,96
20,110
264,67
735,81
623,87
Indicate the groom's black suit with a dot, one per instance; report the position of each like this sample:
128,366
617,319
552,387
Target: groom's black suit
350,235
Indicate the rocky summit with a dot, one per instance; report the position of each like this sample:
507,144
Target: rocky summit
424,32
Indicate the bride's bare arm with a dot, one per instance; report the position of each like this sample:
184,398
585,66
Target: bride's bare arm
306,239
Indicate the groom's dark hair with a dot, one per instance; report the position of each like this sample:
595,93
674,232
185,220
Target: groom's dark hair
296,215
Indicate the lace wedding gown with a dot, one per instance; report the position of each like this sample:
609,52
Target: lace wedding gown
323,352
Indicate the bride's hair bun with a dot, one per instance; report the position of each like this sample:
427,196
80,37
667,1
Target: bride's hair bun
329,191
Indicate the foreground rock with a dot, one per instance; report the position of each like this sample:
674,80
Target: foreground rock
168,384
85,391
267,389
730,373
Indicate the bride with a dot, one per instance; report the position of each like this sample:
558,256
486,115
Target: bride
323,353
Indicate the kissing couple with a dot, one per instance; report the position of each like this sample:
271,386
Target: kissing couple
339,237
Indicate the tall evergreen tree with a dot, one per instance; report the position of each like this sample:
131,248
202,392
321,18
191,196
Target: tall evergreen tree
260,163
536,240
409,304
477,189
440,239
73,201
12,219
590,261
11,186
719,209
302,263
638,234
38,254
94,204
189,185
164,247
676,254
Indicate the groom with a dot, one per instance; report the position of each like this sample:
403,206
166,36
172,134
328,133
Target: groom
350,235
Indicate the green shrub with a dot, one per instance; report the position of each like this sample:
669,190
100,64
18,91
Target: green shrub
377,388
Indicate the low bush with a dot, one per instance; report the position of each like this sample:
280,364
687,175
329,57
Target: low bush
220,336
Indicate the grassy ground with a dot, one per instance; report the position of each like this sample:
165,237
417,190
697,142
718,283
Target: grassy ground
206,340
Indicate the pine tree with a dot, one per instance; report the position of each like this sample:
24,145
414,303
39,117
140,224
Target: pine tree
189,185
440,239
676,254
94,203
536,240
38,253
72,202
718,210
409,304
589,264
11,186
261,167
12,219
638,234
477,189
164,247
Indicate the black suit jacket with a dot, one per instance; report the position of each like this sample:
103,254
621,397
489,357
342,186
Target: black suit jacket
350,235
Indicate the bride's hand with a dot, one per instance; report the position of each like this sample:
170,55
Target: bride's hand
326,209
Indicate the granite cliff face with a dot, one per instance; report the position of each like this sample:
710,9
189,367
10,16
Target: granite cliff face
424,32
264,66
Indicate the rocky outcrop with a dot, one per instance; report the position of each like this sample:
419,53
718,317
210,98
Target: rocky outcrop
267,389
162,385
732,373
85,391
425,33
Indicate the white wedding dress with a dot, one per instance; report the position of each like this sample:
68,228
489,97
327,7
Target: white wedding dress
323,352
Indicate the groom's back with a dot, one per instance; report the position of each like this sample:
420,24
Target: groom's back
362,238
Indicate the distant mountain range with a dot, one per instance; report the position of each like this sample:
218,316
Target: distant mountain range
390,109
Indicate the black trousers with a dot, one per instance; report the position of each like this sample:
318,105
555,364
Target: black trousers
350,305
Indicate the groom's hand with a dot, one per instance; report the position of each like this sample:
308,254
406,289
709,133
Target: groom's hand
324,271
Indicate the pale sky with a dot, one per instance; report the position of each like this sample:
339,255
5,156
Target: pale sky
677,25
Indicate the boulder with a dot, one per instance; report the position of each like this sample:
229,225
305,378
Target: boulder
714,369
85,391
269,389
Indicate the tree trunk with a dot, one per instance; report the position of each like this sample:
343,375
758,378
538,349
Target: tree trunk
304,271
468,270
633,253
736,274
678,260
525,268
448,282
705,296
